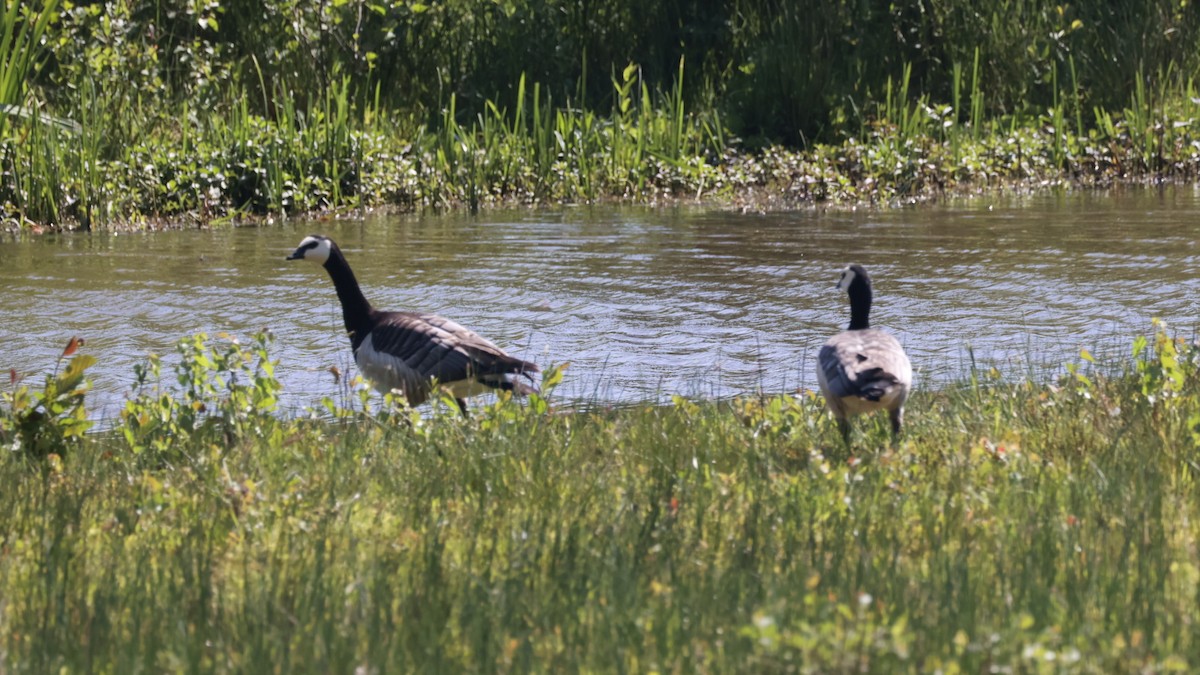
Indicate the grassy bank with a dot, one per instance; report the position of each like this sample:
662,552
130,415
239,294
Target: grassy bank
649,149
157,112
1018,526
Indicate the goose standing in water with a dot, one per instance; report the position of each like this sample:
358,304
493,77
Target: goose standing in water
863,369
409,351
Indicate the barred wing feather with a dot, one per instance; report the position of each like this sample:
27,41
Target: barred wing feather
417,348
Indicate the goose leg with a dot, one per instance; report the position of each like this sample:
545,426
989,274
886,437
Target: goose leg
897,417
462,407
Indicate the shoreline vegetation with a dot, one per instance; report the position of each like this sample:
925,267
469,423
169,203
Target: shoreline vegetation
147,114
1017,527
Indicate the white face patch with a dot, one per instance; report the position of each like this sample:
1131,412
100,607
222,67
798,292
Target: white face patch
313,248
847,279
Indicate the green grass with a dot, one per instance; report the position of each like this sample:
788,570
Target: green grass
1018,525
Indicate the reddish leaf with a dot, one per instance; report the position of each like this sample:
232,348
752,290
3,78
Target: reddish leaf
72,346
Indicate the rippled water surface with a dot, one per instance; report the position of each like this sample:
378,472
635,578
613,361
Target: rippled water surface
642,303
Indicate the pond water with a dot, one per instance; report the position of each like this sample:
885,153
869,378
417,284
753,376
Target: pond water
643,303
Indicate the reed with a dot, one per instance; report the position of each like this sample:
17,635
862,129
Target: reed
22,28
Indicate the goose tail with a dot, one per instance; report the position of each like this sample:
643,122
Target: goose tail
519,369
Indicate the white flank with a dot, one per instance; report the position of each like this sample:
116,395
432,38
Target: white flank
387,373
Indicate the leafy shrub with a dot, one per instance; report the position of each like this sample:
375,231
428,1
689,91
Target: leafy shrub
51,420
225,393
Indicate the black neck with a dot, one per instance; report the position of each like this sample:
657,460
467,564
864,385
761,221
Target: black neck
356,311
860,303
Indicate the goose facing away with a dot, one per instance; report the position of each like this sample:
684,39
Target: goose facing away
409,351
863,369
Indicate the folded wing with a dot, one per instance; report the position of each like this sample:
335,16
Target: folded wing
867,364
412,349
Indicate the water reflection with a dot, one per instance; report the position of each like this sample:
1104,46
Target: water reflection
642,303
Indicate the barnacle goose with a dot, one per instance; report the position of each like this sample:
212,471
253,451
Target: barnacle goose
409,351
863,369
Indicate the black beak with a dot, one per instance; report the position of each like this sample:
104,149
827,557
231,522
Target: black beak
296,255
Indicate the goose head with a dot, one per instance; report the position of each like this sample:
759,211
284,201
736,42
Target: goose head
315,247
854,275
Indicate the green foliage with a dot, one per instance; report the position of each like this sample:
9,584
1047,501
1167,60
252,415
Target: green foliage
809,70
23,124
1161,371
142,110
786,70
22,27
1017,526
53,420
225,395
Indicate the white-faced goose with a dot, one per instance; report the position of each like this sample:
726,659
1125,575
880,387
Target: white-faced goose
409,351
863,369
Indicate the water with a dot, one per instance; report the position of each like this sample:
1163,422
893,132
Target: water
642,303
